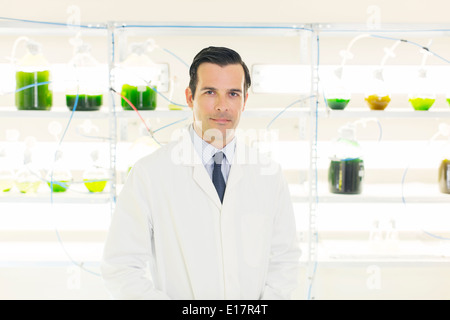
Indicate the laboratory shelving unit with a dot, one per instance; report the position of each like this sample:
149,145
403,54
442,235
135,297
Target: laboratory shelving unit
328,242
398,226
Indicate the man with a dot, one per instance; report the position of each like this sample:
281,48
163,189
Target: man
236,240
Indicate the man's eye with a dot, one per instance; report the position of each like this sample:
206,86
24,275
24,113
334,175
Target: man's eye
209,92
234,94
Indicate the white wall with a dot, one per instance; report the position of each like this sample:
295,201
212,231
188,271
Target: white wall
351,11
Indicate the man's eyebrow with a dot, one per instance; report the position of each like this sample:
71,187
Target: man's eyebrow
215,89
208,88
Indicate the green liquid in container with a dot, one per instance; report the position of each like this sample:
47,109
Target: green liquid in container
94,185
37,97
345,176
421,104
448,100
85,102
337,103
142,97
59,186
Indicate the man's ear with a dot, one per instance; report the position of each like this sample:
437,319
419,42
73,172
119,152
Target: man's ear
189,97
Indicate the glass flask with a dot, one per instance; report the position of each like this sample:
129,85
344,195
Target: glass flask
337,94
139,77
59,177
33,88
95,177
86,80
377,96
346,170
423,95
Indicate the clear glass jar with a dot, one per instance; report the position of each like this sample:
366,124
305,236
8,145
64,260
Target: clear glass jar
33,87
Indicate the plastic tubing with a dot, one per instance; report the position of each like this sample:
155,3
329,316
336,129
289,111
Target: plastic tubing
389,53
287,107
142,119
347,54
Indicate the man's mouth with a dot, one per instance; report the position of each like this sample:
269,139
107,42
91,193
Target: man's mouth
220,120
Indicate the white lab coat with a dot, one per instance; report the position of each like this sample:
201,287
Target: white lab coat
169,218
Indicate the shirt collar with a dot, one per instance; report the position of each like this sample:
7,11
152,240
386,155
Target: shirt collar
206,150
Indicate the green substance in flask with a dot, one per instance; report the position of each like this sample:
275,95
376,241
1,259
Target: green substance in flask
345,176
59,186
85,102
38,97
142,97
337,103
421,104
95,185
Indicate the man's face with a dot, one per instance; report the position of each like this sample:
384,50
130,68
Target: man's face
218,103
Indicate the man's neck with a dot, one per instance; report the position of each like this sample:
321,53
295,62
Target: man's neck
214,141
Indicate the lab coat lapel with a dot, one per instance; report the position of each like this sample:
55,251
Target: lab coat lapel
202,178
185,154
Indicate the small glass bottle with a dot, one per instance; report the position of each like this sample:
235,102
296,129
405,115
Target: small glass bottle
346,170
33,88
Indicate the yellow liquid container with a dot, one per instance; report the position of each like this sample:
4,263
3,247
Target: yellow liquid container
6,182
95,185
444,176
28,180
96,177
6,174
376,102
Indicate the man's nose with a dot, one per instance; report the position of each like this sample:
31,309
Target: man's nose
221,103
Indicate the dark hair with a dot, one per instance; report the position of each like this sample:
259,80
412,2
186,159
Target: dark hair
217,55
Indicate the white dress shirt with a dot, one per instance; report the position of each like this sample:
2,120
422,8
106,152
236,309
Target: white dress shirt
206,151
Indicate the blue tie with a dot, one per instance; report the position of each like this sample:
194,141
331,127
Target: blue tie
217,176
